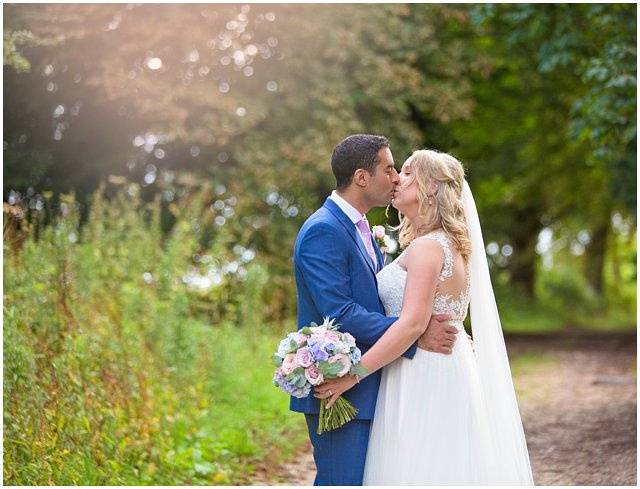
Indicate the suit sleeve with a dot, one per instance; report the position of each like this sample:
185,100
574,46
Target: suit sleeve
322,261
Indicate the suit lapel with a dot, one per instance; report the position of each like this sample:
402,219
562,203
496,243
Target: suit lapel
332,207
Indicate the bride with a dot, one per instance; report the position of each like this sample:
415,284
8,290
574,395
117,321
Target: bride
440,419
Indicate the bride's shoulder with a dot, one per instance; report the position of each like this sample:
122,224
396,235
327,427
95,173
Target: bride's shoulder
422,251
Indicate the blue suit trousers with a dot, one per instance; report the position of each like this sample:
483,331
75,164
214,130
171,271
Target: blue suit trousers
339,454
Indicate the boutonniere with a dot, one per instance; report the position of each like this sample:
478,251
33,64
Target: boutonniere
382,238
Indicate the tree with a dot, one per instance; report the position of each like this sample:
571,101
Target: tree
558,132
249,100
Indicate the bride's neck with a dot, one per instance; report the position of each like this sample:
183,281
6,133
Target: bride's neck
421,225
418,222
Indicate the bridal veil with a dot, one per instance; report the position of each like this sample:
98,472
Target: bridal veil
492,361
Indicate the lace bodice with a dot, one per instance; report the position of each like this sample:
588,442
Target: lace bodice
454,302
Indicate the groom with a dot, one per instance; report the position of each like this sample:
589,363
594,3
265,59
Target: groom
336,261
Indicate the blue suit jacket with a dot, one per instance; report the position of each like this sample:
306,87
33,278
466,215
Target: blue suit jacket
335,277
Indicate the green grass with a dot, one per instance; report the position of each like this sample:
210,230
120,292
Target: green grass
537,319
519,314
529,371
107,411
530,362
114,379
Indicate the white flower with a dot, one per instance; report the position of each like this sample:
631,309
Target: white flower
349,340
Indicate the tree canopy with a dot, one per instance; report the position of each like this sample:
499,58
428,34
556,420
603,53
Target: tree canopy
538,101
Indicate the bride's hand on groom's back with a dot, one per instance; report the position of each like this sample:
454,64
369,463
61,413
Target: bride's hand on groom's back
439,337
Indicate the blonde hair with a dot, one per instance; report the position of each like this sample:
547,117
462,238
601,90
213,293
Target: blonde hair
428,166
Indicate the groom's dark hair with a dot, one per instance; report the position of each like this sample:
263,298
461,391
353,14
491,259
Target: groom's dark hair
354,152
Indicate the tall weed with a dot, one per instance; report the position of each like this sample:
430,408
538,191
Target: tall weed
116,371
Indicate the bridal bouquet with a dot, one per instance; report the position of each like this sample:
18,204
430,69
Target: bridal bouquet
309,356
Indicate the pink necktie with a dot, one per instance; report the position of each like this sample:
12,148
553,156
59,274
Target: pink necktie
365,232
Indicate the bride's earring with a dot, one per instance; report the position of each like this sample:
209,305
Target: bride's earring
430,200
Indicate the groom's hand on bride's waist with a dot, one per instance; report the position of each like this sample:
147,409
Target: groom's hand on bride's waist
439,337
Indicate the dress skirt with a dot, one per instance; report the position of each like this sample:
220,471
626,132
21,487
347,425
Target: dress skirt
430,425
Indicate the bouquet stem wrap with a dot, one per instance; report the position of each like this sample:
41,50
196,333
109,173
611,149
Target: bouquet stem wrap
340,413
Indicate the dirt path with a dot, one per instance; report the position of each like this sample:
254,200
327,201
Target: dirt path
577,396
579,413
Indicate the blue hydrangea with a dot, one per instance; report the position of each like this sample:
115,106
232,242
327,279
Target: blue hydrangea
317,348
290,388
356,355
284,347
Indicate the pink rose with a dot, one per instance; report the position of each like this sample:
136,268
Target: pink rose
344,360
300,338
289,364
378,232
332,336
313,375
303,357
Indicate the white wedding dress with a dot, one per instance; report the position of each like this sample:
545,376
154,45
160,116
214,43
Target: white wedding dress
431,425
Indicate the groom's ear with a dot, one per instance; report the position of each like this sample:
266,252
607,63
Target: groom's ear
361,177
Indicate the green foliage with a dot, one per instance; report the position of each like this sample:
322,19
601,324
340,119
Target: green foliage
226,92
330,370
551,140
112,376
537,100
564,297
12,44
596,44
306,331
358,370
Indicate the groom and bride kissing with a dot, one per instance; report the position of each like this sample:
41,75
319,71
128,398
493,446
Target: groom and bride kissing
434,409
